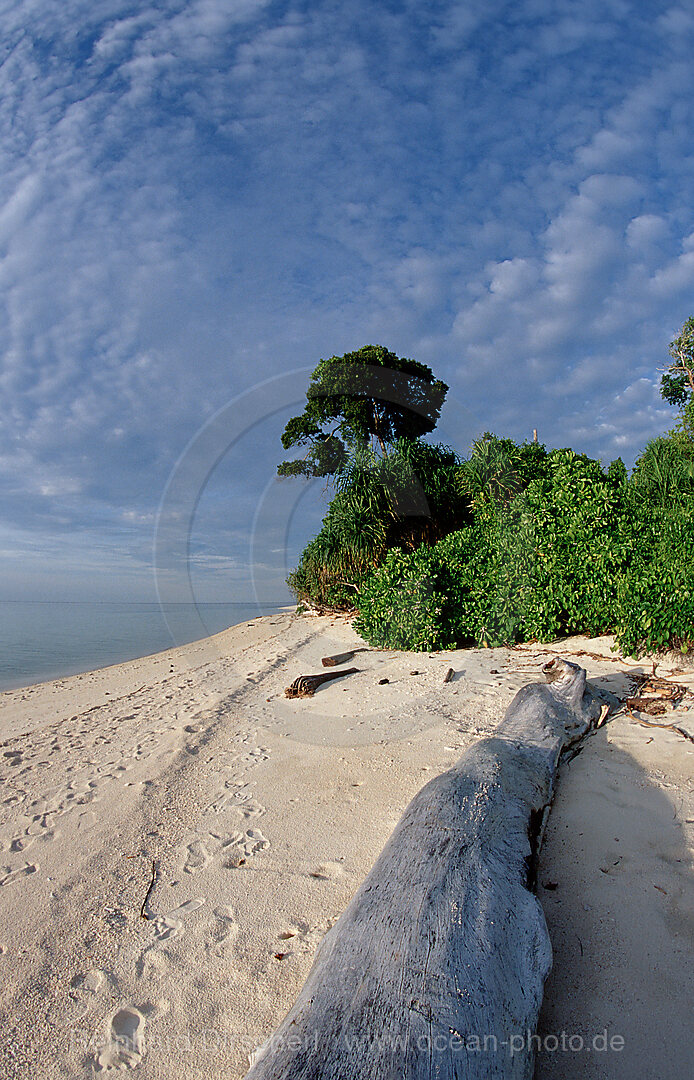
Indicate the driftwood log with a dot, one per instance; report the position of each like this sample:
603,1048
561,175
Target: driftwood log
436,968
306,685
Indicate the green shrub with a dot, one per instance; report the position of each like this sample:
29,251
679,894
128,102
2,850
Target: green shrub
327,579
617,474
655,597
498,469
423,479
351,542
664,474
551,545
575,533
405,604
381,503
542,566
545,565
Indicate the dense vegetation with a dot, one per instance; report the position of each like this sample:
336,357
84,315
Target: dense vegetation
513,543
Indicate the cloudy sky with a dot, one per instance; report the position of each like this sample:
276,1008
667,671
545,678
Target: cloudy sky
198,196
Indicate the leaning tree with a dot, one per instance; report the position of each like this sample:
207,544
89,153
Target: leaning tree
371,396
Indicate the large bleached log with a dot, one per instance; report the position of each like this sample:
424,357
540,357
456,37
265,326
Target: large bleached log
437,966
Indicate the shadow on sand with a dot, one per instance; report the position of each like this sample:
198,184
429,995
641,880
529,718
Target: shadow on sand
616,883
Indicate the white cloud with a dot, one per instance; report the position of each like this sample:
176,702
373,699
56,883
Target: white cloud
676,21
645,230
676,277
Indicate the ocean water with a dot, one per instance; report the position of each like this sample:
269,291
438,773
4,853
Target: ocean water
48,640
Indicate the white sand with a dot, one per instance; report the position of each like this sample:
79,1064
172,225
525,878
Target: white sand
262,815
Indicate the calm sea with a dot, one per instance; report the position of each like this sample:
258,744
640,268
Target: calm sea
48,640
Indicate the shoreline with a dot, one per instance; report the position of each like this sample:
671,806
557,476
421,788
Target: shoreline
262,815
124,638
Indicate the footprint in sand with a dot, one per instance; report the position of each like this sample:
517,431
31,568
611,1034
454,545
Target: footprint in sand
170,926
152,965
241,760
302,937
254,756
85,989
90,982
240,846
39,828
197,857
329,871
240,799
8,874
86,820
248,808
125,1041
223,932
235,848
20,843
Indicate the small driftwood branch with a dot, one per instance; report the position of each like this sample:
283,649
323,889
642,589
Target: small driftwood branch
667,727
602,719
437,966
527,647
340,658
143,909
306,685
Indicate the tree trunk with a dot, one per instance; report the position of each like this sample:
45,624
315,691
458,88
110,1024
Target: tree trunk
437,966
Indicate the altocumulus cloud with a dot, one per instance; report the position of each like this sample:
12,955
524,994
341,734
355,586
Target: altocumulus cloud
198,195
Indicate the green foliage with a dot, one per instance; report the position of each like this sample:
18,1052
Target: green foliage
684,430
655,597
539,566
368,394
664,474
328,574
406,603
677,384
423,483
399,500
351,541
327,456
561,545
499,468
617,474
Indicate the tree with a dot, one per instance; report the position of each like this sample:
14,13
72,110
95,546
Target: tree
677,383
367,396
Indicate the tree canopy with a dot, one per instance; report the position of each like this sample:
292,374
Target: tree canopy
367,396
677,383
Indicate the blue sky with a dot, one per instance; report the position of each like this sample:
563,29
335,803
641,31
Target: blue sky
199,196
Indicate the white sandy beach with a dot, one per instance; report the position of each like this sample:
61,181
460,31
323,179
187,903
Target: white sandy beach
257,817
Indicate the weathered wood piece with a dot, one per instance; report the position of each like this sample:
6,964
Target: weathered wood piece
306,685
340,658
647,705
437,966
654,695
